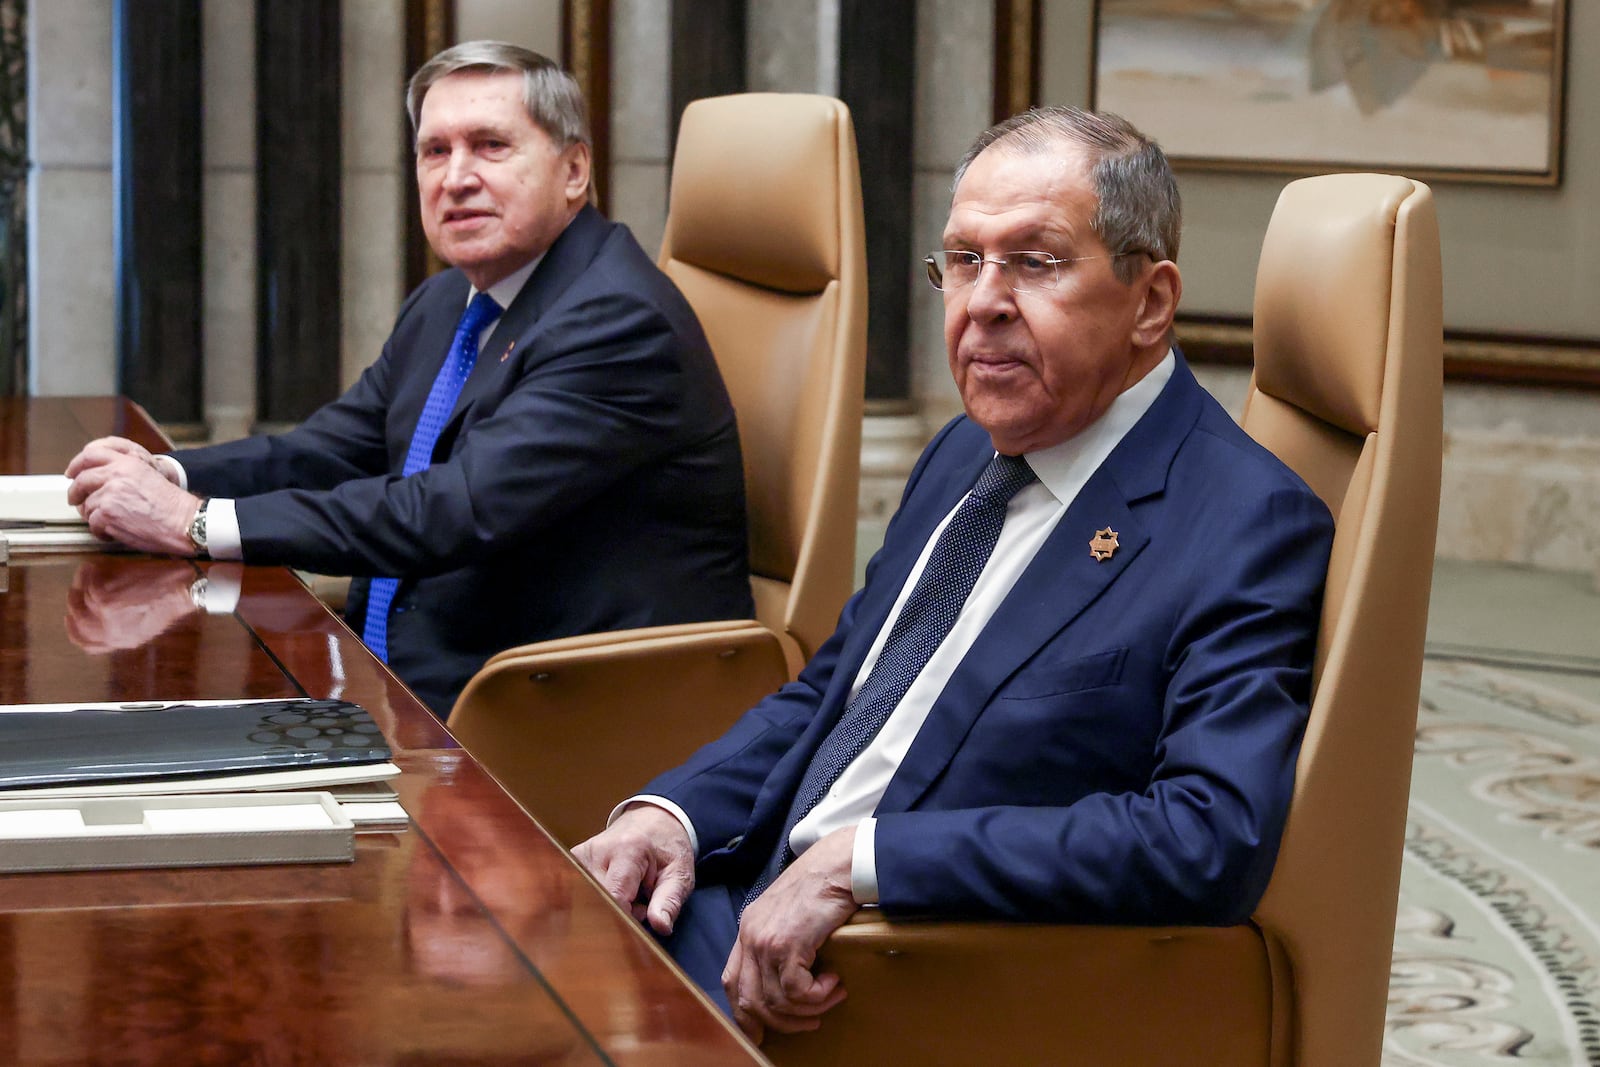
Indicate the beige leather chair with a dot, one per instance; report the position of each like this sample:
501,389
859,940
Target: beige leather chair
1347,391
764,237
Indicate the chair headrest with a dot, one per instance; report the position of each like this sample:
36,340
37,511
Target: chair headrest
745,199
1322,299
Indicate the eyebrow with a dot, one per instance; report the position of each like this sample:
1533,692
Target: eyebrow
475,133
1032,238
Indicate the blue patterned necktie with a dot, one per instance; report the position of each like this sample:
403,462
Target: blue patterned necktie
958,557
435,413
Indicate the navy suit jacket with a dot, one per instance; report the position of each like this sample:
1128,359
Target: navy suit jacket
1119,743
588,479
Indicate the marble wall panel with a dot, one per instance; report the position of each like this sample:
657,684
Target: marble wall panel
228,73
71,284
641,102
1516,498
639,198
793,47
228,325
228,220
375,129
372,280
955,53
70,280
375,172
955,58
1507,495
69,83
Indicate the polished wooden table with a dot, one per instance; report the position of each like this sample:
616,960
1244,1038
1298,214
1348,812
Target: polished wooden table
469,938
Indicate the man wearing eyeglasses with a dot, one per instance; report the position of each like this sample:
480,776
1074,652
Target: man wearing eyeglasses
1074,685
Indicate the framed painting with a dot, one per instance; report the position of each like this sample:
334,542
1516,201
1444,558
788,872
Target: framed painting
1469,90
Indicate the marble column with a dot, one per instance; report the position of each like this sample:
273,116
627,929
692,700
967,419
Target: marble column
228,199
376,174
641,103
71,289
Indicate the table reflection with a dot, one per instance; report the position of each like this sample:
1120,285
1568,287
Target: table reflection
454,933
116,604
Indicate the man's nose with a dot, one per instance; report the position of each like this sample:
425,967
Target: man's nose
990,295
461,172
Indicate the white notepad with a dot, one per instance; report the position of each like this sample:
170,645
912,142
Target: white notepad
37,498
35,516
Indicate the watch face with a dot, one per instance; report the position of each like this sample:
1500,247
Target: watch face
197,529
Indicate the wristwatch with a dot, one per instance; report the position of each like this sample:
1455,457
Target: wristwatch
197,530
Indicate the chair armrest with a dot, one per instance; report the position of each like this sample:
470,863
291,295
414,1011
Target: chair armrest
332,590
573,727
988,992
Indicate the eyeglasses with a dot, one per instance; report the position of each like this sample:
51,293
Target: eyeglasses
1024,272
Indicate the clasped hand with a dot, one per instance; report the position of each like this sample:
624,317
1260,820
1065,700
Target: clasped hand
644,860
124,496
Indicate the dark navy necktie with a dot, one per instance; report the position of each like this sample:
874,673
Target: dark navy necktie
958,557
435,413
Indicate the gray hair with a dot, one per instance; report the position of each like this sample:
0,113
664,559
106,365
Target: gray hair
1138,208
552,97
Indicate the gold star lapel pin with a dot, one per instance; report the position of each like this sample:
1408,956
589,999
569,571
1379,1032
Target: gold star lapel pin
1103,544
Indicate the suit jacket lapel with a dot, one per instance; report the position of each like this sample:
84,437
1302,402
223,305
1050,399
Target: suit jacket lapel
1062,580
566,261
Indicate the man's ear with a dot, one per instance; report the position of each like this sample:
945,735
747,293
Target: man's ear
1163,288
575,171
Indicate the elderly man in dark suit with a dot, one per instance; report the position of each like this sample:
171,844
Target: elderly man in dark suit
1075,682
544,448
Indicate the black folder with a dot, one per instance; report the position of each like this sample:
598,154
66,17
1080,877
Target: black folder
161,742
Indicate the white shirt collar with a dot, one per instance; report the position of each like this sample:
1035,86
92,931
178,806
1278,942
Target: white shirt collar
1063,469
506,289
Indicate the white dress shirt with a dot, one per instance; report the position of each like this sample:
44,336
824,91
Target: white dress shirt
1032,514
223,540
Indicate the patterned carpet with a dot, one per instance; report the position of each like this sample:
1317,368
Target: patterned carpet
1497,947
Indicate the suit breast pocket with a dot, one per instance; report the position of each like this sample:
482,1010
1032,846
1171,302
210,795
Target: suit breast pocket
1053,679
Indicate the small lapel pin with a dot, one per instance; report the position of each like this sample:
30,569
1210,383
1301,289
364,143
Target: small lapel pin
507,352
1103,544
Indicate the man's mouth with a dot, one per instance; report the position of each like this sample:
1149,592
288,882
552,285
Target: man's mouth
463,214
993,362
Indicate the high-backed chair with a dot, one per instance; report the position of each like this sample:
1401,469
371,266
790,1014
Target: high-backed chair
1346,390
764,236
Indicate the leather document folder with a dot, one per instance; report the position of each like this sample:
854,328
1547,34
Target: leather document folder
157,744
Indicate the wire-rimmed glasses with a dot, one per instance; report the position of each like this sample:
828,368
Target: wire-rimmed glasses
1025,272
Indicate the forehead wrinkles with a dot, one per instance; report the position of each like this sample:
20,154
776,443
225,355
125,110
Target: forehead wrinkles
468,96
1006,194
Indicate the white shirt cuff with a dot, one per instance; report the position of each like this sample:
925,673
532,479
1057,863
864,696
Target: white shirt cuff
665,805
217,591
864,863
172,470
222,530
